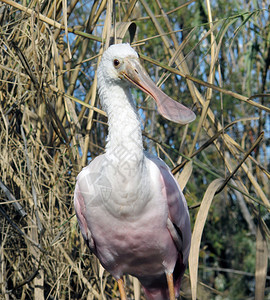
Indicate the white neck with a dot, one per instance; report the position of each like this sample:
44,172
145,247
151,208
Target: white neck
124,141
124,162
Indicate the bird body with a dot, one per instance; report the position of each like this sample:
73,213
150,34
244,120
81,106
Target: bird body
130,209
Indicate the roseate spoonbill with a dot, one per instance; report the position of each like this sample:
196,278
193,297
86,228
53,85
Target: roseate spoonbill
130,209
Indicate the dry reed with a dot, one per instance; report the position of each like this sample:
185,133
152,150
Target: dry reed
51,125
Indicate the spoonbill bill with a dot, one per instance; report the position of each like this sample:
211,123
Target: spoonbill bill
130,209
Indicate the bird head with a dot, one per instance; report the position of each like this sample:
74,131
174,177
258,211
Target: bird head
120,65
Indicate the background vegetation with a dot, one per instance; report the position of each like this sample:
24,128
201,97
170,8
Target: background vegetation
212,56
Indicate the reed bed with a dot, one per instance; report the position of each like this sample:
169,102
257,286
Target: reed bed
213,58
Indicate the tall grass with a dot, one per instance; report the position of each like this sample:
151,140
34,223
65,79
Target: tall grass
51,125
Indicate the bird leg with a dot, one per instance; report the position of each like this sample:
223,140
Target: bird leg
170,285
121,287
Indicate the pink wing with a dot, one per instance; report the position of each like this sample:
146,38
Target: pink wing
80,213
178,209
86,176
178,225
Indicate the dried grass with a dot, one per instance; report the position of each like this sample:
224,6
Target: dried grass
47,134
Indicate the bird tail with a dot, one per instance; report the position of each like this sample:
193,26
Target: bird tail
156,294
160,291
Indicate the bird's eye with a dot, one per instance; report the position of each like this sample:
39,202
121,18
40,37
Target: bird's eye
116,63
